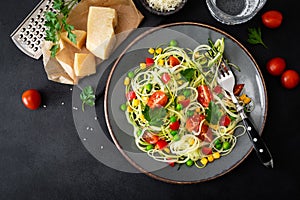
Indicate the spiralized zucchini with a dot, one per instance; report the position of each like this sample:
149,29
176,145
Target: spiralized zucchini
171,123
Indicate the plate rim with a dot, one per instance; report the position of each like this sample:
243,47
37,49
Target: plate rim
107,119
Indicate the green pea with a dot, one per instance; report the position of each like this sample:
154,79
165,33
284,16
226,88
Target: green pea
173,119
189,163
149,147
176,137
178,107
220,96
217,141
148,87
218,146
130,74
173,43
187,93
123,107
226,145
174,133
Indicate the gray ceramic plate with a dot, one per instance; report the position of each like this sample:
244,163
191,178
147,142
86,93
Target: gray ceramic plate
188,35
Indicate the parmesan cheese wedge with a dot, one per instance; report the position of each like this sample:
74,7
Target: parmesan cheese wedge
80,38
84,64
100,31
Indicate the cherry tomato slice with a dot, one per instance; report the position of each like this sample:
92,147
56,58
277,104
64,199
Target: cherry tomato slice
149,61
165,78
150,137
217,89
161,144
204,95
173,61
157,99
192,123
206,150
272,19
238,89
185,102
276,66
205,134
175,125
31,99
290,79
130,95
225,120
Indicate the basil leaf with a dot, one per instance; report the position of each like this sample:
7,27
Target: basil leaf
188,74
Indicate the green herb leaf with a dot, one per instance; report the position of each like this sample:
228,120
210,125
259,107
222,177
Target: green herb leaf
57,22
213,113
188,74
255,37
155,116
87,97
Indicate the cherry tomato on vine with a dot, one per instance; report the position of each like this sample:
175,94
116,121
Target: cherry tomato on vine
276,66
31,99
272,19
290,79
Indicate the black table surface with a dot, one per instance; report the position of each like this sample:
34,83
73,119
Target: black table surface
42,157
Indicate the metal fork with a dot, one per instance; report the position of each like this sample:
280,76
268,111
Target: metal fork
226,80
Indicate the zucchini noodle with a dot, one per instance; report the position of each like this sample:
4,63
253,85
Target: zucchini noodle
178,111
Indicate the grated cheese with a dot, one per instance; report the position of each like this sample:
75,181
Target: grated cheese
164,5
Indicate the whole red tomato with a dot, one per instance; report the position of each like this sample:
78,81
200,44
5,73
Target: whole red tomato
290,79
276,66
272,19
31,99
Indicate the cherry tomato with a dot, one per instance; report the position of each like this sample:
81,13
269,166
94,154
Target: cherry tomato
31,99
217,89
205,134
165,78
204,95
173,61
192,123
276,66
161,144
206,150
225,120
149,137
272,19
237,89
185,102
175,125
149,61
157,99
290,79
130,95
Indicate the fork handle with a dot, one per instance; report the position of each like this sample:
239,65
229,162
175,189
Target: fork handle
259,145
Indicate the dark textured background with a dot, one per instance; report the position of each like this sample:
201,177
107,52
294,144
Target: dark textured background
42,157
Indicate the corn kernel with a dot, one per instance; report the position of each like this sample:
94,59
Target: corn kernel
216,155
151,50
135,102
161,62
126,81
143,65
129,109
167,150
191,142
142,118
158,50
242,97
145,99
197,110
181,98
204,161
210,158
247,100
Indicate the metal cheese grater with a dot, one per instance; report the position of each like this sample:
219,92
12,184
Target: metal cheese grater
29,35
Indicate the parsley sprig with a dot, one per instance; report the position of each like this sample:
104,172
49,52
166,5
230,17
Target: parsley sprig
56,22
254,36
87,97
